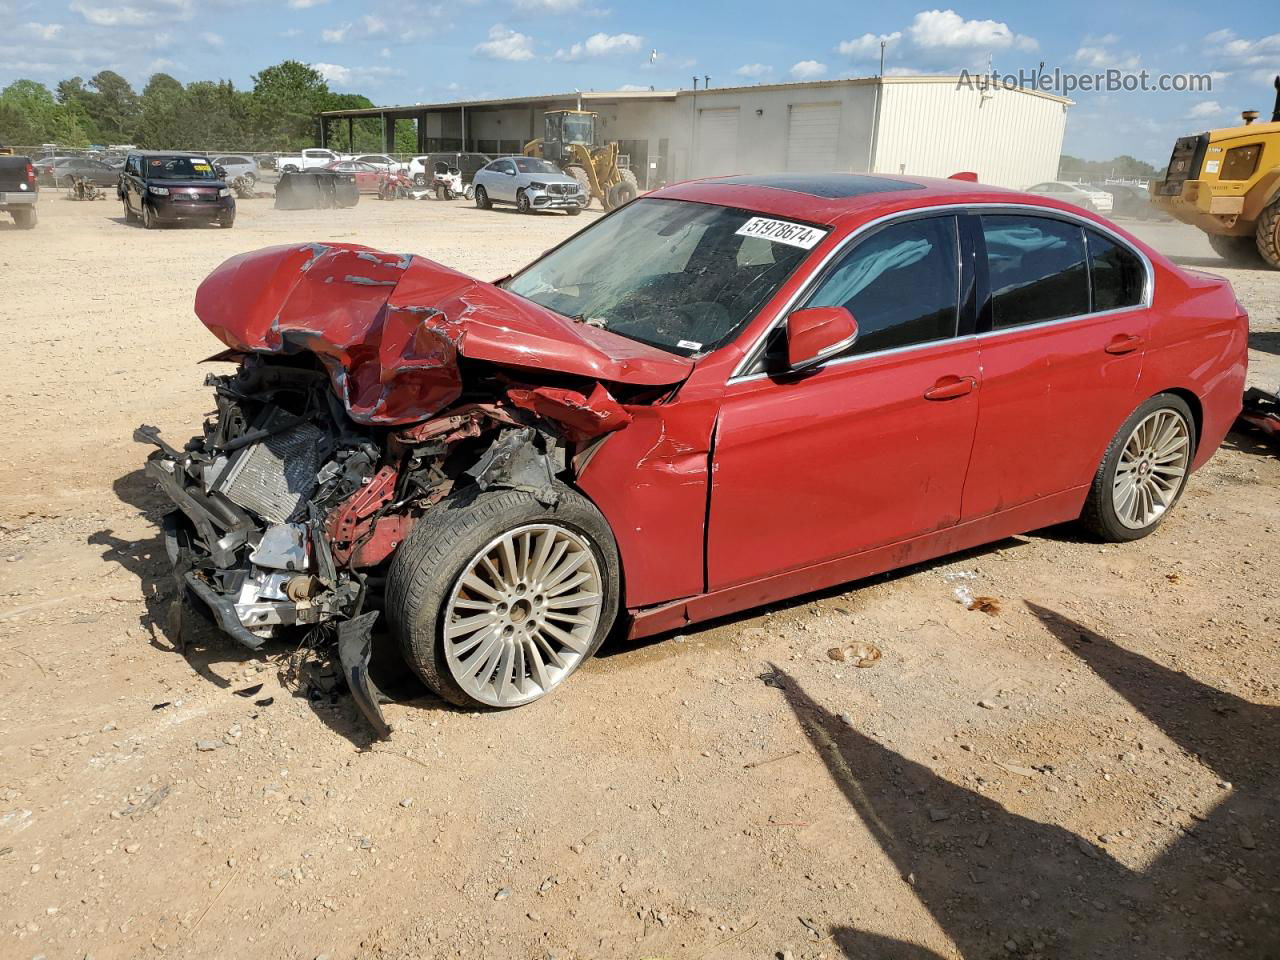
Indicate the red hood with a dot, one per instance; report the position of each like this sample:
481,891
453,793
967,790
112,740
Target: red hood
390,327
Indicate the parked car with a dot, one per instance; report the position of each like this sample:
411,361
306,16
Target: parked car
308,159
237,165
44,167
422,168
530,184
724,394
19,190
368,177
1131,200
159,188
384,163
1078,194
63,172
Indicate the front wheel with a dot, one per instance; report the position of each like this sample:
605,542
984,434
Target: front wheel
496,599
149,220
482,198
1143,472
522,202
1267,235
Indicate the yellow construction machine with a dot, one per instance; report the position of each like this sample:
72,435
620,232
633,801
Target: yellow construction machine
1227,183
569,141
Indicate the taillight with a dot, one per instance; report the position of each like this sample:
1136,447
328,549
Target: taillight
31,174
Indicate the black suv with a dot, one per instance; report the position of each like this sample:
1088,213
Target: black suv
162,187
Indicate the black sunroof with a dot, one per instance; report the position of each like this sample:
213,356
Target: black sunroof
829,185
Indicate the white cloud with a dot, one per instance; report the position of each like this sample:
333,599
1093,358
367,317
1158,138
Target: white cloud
212,39
160,64
139,13
374,25
601,45
947,30
44,31
808,70
754,71
305,4
867,46
336,34
341,76
1103,58
1263,52
549,6
1206,108
633,87
504,44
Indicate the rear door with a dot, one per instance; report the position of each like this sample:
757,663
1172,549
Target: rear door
1061,336
872,448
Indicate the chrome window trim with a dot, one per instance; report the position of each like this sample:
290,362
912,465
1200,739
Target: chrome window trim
756,350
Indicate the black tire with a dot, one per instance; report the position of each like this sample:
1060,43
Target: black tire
420,179
26,218
289,168
573,211
149,220
1237,251
444,542
1267,235
584,181
129,215
522,202
228,223
482,198
1099,516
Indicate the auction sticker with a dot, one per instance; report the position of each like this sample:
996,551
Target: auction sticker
782,231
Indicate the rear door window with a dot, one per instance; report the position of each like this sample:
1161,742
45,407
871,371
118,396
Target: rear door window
1037,269
1117,276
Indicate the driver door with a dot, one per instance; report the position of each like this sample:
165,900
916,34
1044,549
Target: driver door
503,185
872,448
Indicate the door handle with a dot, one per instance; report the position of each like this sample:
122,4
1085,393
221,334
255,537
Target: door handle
1123,343
948,388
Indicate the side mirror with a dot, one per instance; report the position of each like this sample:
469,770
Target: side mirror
817,333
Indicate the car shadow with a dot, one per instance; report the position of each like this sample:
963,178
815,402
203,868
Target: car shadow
1265,341
1001,884
177,623
618,642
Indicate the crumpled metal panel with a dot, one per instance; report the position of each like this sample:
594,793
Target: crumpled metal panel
390,327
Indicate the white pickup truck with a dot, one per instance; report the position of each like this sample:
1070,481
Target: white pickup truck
307,160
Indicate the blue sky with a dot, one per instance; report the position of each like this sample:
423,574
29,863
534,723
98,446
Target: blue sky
412,51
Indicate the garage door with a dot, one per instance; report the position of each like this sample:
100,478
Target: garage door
813,129
717,150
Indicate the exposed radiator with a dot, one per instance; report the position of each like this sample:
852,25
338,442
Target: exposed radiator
275,477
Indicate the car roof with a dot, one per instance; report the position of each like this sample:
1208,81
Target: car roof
169,153
860,197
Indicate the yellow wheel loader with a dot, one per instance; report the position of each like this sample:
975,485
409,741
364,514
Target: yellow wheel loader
1227,183
569,141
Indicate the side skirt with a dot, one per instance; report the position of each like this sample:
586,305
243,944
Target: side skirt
1058,508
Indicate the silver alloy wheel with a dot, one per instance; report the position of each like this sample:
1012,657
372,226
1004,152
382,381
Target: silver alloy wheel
523,614
1151,468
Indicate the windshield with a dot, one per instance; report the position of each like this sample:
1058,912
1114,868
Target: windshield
534,165
578,129
179,168
684,277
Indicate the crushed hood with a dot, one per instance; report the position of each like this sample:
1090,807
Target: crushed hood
390,328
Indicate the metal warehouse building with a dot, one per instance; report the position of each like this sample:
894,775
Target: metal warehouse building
929,126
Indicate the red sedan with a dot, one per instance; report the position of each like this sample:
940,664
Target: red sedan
368,177
725,393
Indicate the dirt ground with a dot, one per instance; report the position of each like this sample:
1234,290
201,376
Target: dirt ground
1089,769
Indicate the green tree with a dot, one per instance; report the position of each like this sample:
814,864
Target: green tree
287,99
114,107
29,115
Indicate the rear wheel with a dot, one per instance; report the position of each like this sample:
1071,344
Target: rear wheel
482,198
25,218
625,190
1143,472
1267,235
1237,251
497,599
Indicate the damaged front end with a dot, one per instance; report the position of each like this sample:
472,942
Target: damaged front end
369,388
